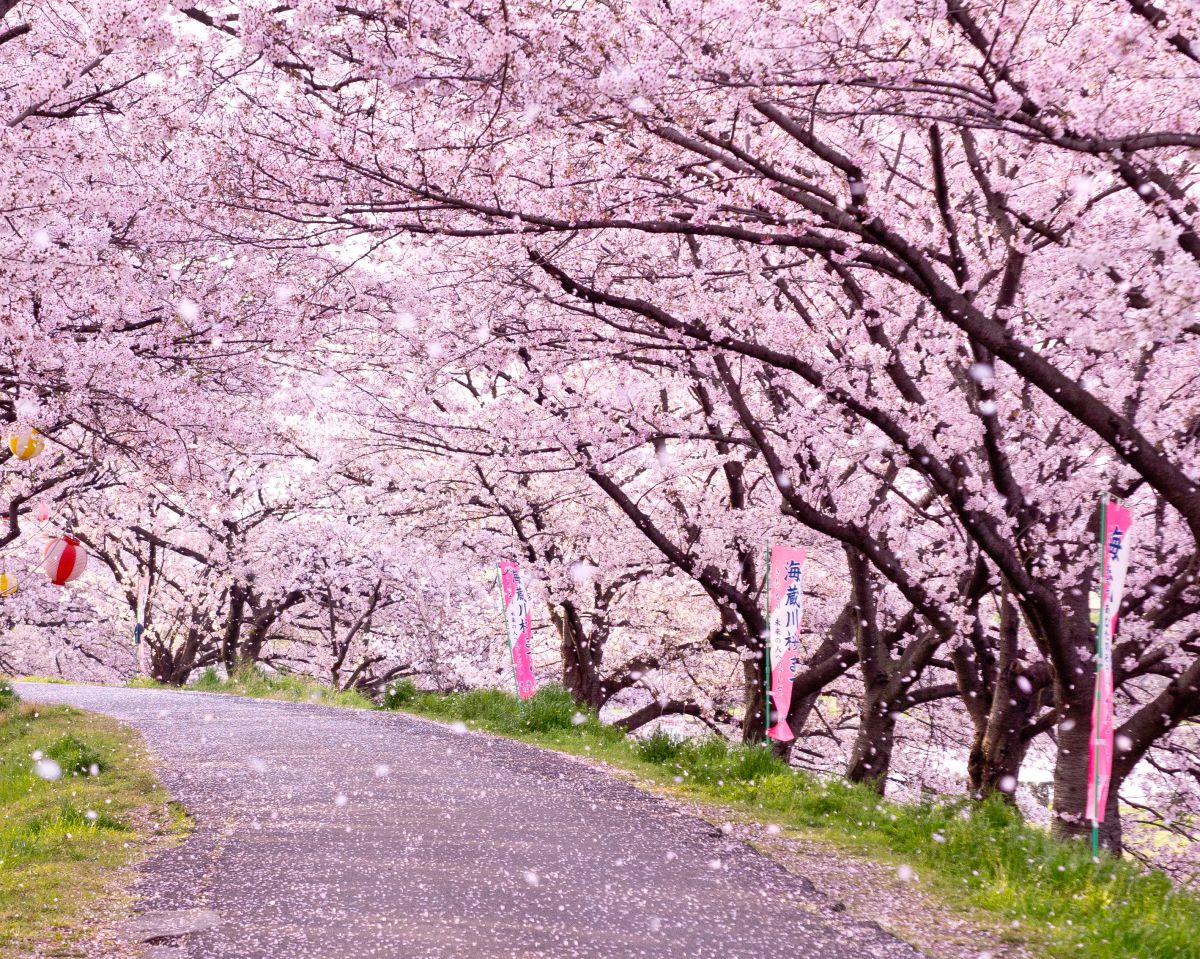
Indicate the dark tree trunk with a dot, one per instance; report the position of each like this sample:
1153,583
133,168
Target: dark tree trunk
1111,832
1003,746
165,668
1071,758
1000,743
231,637
581,658
976,762
871,757
174,665
261,624
754,722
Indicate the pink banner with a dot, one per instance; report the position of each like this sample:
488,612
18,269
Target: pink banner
519,622
785,612
1117,525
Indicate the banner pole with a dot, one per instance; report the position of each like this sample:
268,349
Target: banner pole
139,626
1096,697
507,632
766,641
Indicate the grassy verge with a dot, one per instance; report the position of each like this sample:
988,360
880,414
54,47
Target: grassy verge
77,803
41,679
287,687
978,857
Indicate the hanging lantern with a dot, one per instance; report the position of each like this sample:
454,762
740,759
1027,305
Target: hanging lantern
65,560
8,584
42,511
25,443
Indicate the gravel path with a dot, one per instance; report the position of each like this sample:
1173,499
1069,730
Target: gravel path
328,833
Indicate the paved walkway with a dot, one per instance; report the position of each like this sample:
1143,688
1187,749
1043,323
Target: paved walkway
341,834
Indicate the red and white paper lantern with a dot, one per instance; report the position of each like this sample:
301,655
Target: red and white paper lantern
65,560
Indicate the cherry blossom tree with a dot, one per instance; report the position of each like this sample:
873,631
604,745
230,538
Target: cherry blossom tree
628,293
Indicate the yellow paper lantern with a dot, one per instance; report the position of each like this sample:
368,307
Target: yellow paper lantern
8,584
25,443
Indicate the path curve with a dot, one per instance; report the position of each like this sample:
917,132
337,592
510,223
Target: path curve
326,833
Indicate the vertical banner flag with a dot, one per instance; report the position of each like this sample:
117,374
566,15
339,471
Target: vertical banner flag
785,575
1116,530
140,628
519,621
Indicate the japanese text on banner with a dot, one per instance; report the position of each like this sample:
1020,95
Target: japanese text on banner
518,620
1117,533
785,611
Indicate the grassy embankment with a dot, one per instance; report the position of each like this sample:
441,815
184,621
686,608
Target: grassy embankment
285,687
980,857
63,841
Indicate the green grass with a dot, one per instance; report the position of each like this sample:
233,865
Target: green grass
63,842
258,684
980,858
290,687
979,855
550,717
47,679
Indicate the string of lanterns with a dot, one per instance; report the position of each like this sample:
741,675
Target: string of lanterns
64,558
